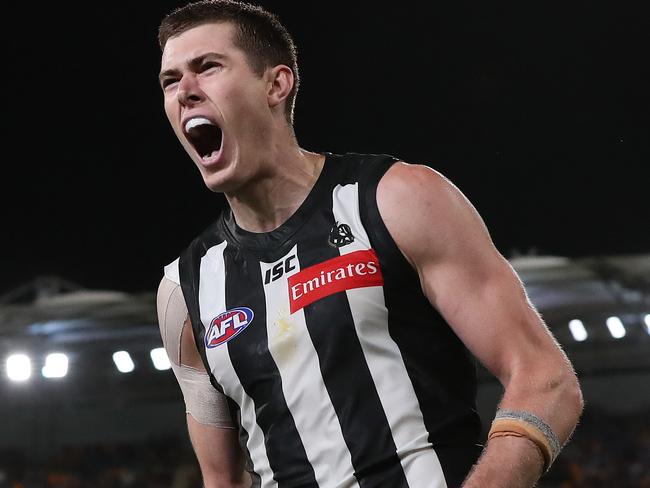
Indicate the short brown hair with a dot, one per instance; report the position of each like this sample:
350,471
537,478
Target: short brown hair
259,33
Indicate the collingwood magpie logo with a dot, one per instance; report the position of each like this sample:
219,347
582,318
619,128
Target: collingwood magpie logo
340,235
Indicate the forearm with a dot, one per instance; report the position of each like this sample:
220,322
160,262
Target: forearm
515,462
550,393
219,455
507,462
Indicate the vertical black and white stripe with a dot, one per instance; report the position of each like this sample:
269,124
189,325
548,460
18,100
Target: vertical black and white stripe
326,396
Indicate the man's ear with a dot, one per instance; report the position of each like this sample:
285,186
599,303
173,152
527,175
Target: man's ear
280,83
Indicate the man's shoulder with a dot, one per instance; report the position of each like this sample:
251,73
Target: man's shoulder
422,190
424,211
404,179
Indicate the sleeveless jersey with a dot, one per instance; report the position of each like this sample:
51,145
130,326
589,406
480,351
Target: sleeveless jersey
338,371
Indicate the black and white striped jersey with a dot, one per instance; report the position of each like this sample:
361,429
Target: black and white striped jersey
339,372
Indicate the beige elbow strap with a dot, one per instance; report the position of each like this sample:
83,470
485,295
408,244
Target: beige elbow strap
525,424
202,401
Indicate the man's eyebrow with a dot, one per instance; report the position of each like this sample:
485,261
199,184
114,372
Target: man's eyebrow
192,63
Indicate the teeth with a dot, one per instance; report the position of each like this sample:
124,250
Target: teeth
211,155
195,122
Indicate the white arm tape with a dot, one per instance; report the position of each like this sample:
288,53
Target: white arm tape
205,404
202,401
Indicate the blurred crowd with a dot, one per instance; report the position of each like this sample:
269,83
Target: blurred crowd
606,451
160,463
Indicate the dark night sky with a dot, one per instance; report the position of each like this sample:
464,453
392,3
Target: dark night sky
539,114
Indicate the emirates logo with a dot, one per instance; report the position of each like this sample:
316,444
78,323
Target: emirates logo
357,269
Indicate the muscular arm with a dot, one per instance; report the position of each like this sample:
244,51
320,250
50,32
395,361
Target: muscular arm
211,431
479,294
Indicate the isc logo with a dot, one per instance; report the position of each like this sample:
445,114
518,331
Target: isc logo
276,272
228,325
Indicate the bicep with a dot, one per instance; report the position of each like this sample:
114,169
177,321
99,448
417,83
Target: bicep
461,272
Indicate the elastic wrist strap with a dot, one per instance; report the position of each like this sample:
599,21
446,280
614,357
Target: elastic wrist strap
524,424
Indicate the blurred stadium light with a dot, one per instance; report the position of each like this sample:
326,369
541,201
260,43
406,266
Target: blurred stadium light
578,330
56,365
160,359
19,367
616,327
123,362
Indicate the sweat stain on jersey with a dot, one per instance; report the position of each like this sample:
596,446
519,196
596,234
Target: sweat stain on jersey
283,342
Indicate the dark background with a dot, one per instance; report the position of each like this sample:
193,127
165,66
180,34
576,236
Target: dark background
538,113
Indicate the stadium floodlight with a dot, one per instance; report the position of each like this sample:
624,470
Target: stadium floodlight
56,365
19,367
616,327
578,330
646,319
123,362
160,359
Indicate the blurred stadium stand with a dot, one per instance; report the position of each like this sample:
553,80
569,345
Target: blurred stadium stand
97,427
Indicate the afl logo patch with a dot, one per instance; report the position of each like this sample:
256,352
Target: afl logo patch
228,325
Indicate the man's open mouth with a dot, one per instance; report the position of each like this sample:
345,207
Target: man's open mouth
204,135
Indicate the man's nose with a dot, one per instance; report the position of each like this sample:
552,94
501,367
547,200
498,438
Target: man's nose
189,92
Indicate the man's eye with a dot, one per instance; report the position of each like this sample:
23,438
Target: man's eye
210,65
168,82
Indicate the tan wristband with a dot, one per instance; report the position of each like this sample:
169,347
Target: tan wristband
524,424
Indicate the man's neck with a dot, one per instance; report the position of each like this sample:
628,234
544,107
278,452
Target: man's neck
267,202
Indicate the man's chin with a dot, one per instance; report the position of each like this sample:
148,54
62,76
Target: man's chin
220,183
